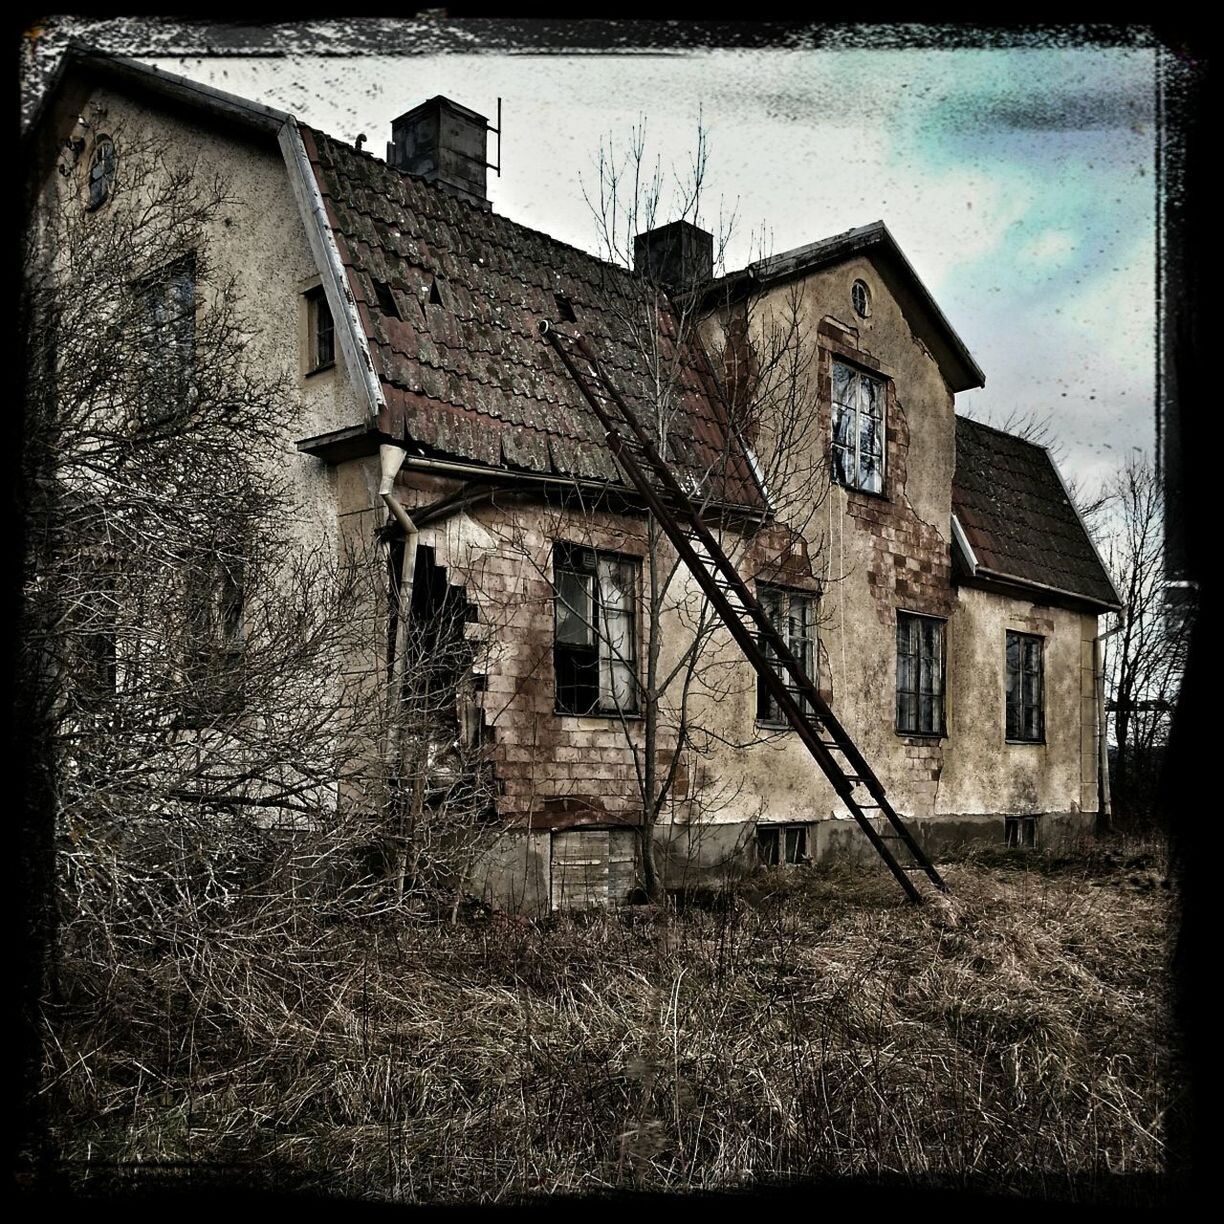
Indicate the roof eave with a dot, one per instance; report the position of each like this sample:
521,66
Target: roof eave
231,108
988,579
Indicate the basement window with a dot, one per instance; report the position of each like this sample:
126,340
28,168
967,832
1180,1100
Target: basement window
793,614
782,845
858,429
1025,684
321,331
595,644
920,675
1020,832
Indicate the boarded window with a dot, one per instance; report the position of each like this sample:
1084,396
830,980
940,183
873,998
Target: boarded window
595,640
793,615
592,868
920,674
858,429
1025,684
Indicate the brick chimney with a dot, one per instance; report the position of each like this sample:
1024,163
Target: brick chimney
678,256
444,143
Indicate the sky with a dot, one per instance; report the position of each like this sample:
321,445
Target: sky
1019,181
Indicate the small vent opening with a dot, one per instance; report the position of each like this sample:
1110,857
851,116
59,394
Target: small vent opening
565,308
386,300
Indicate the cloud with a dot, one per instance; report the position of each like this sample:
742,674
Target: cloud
1051,248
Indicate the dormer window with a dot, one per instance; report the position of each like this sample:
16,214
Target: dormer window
321,331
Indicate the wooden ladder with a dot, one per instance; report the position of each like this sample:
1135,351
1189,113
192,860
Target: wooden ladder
788,683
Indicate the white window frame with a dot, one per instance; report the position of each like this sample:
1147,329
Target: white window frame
852,401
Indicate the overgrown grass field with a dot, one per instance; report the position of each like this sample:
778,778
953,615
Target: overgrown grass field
1014,1036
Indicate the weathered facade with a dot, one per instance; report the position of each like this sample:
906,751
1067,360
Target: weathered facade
941,580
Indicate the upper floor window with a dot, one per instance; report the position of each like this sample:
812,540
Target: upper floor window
321,330
858,429
169,300
595,647
102,168
920,675
793,614
1025,717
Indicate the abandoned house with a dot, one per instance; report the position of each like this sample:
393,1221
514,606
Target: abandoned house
929,572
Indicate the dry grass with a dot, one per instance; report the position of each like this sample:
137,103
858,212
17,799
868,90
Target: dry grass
1013,1037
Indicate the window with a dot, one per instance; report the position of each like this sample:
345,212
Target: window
920,671
782,844
793,614
101,172
596,631
1025,721
858,429
213,646
860,298
322,331
1020,832
169,298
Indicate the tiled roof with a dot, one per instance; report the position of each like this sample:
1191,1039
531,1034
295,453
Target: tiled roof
1017,517
470,376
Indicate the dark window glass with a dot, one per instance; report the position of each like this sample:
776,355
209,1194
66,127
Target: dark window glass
920,674
1025,683
793,615
777,844
595,639
101,172
169,298
322,332
213,650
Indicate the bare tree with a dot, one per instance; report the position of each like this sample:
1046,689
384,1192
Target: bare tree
199,655
761,375
1146,658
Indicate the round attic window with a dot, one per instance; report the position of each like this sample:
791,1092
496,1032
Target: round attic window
101,172
860,298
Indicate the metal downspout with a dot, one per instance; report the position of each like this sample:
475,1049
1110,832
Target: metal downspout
1104,803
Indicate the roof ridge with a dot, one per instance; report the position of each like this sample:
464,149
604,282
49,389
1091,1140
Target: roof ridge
1003,433
418,180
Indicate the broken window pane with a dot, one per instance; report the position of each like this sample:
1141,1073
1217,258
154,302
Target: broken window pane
574,625
843,465
595,631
